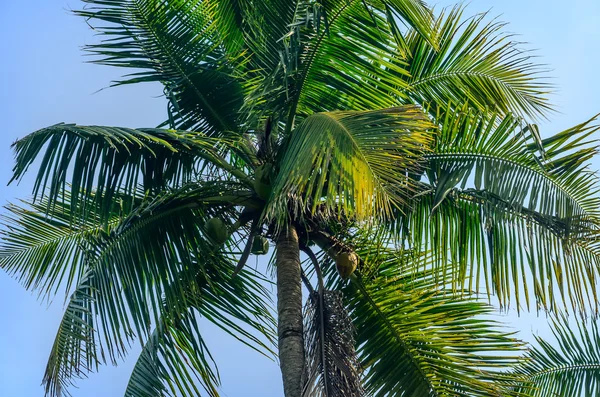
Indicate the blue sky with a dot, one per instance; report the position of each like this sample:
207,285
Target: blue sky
44,80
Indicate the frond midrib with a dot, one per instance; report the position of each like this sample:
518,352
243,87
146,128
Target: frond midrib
487,156
470,73
469,198
564,368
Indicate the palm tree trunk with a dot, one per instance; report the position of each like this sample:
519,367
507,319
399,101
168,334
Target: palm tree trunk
289,311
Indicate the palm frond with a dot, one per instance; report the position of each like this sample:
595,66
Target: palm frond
171,362
333,368
44,249
266,23
567,366
350,161
475,62
509,211
110,161
415,339
158,252
175,359
343,56
415,14
188,46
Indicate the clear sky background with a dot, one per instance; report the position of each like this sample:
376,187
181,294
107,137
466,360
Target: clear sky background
44,80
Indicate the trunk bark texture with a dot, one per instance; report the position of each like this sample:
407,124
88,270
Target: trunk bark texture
289,311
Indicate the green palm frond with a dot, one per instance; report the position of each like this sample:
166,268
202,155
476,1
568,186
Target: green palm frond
346,59
188,46
158,252
175,359
332,48
75,350
350,161
412,13
170,363
265,24
113,160
510,211
415,339
475,62
332,365
44,249
568,366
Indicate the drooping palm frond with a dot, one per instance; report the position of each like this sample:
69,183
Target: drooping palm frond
333,368
568,366
175,360
110,161
350,161
415,339
478,63
188,46
510,211
157,252
164,366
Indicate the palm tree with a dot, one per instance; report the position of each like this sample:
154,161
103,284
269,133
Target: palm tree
399,156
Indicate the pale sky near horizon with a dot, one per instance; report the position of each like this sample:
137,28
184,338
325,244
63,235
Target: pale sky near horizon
45,80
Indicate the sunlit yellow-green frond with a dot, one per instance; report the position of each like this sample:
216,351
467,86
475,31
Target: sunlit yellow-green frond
354,162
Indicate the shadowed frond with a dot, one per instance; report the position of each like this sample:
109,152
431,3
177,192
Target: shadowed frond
333,368
110,161
568,366
188,46
510,211
351,161
265,23
478,63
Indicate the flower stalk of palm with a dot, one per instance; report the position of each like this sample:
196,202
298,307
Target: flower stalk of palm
302,123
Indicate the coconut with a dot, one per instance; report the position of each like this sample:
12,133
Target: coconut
346,263
260,246
217,230
262,181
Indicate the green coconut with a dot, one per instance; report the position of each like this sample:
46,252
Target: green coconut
262,181
217,230
346,263
260,246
